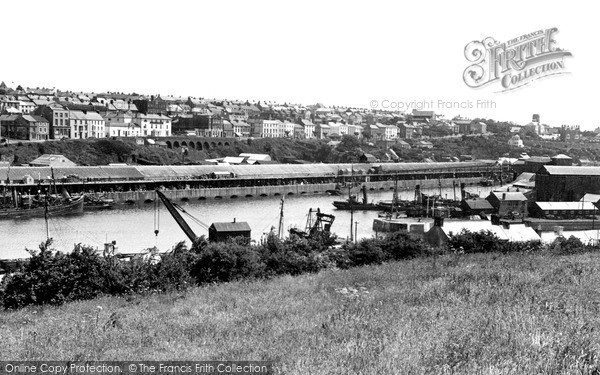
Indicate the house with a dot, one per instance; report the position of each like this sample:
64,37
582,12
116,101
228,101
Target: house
464,125
476,206
219,232
299,131
26,127
86,125
506,203
154,125
58,117
120,124
228,131
515,141
50,160
478,128
309,128
271,129
390,132
407,131
322,131
241,128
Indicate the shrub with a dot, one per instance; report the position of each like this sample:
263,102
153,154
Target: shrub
475,242
565,246
219,262
54,278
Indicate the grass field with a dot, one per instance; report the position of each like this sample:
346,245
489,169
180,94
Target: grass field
465,314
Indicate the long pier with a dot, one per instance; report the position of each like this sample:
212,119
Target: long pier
137,183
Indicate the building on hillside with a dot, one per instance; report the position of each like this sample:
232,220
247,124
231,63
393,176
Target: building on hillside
50,160
153,125
516,141
406,131
309,128
25,127
422,116
271,129
241,128
58,119
322,131
86,125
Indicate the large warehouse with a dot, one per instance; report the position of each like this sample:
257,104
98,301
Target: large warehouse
566,183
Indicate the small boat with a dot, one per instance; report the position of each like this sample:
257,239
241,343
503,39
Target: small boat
95,202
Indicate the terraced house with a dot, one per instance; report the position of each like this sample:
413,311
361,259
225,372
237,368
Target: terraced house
153,125
26,127
86,125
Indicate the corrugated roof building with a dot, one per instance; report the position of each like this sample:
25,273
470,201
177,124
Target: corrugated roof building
218,232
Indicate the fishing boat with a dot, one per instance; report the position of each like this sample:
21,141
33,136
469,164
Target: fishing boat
352,203
43,204
30,206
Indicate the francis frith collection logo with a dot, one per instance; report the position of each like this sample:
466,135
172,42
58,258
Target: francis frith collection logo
514,63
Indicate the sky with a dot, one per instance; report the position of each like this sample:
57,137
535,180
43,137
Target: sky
374,54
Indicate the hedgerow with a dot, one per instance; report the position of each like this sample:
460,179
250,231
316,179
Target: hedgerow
52,277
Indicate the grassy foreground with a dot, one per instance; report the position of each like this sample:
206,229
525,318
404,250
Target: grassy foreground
467,314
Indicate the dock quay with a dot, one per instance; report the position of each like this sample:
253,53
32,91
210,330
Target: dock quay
130,184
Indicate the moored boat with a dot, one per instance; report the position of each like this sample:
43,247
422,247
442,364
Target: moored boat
41,208
352,203
94,202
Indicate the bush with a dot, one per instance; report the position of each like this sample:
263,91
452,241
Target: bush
220,262
54,278
475,242
566,246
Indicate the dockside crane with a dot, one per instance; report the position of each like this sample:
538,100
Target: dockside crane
172,208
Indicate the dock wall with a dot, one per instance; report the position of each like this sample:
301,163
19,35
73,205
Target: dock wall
277,190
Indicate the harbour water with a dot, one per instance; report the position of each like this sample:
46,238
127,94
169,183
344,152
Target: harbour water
132,227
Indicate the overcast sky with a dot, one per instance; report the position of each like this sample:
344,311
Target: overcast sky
336,53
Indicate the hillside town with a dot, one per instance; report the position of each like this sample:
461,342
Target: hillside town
38,114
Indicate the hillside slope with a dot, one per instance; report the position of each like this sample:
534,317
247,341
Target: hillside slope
464,314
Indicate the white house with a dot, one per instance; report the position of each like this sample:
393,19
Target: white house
86,125
515,141
153,124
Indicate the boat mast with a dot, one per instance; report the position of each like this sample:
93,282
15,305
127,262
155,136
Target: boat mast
351,207
46,216
280,230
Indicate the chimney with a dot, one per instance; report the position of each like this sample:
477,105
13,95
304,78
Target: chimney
234,219
495,220
503,196
438,221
